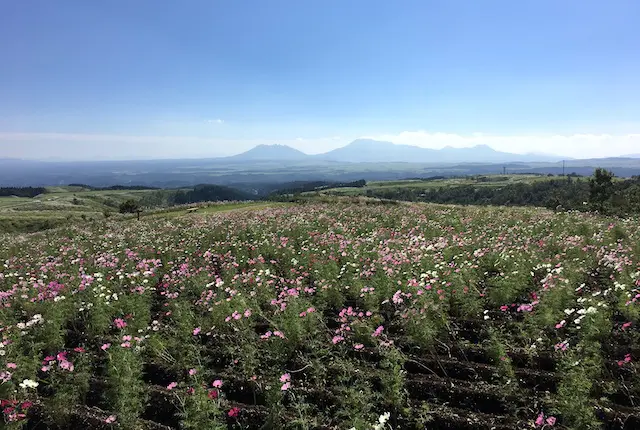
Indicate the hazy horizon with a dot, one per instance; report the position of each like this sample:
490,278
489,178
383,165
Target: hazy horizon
122,80
188,149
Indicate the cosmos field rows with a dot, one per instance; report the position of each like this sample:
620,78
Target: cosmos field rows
325,316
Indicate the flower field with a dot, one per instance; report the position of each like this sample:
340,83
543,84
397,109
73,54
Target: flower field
323,316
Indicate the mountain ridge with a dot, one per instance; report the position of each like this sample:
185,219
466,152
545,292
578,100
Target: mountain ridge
376,151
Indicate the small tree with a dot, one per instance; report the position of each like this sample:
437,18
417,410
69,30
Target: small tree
601,189
129,207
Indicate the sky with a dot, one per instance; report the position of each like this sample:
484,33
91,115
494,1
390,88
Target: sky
147,79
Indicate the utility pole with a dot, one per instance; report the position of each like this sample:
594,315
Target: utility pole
563,161
504,170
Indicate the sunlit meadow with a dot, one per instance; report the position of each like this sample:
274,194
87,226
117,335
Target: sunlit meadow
324,316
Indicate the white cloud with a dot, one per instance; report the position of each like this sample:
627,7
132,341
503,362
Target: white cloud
574,145
215,121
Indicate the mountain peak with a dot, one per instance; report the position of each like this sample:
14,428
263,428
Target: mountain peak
274,152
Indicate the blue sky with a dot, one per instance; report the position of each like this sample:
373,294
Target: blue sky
114,79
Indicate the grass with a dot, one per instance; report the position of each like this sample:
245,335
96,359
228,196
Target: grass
491,181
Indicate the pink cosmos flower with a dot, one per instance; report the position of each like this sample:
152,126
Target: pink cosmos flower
192,372
67,365
120,323
105,346
626,325
11,365
337,339
79,349
551,421
111,419
540,420
172,385
285,378
286,386
126,344
197,331
217,383
234,412
378,332
358,347
126,338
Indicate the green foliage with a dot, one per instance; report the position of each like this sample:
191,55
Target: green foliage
128,207
601,190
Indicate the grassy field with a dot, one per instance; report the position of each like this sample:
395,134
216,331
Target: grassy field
324,316
61,206
489,181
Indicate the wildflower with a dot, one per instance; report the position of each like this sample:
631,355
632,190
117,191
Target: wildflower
234,412
172,385
28,383
626,325
378,332
337,339
105,346
111,419
11,365
286,386
217,383
561,324
358,347
192,372
562,346
120,323
5,377
285,378
197,331
540,420
66,365
212,394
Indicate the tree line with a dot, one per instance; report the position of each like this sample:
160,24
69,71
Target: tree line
22,191
601,193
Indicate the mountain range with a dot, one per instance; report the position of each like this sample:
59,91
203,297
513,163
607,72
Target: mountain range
375,151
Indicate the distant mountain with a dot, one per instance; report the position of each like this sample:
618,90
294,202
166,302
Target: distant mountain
366,150
270,153
631,156
374,151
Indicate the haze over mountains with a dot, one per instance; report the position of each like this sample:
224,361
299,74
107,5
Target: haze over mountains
374,151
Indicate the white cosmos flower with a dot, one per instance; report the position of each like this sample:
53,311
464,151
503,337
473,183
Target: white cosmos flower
28,383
